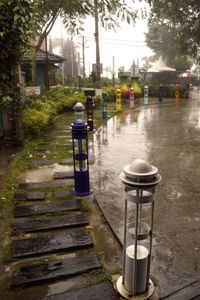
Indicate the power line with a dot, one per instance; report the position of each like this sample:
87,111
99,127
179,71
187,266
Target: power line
119,42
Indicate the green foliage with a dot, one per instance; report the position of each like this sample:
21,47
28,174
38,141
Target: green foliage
111,92
41,110
162,39
35,120
15,20
183,16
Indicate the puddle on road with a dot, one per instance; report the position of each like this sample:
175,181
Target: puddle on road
43,173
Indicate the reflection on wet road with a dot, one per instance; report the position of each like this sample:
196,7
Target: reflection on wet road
168,136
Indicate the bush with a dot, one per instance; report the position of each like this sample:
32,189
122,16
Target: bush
35,121
111,91
39,111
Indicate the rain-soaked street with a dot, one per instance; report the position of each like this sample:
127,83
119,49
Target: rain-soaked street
168,136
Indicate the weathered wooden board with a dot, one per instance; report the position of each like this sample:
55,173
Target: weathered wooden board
49,223
185,292
51,242
31,196
63,175
61,193
67,161
45,184
45,208
59,269
101,291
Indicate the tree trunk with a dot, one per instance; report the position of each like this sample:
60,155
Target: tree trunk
18,128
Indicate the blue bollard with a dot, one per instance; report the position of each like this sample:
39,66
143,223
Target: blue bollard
80,158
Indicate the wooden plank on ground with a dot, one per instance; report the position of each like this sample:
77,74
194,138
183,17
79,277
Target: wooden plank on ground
67,161
188,292
45,184
63,175
59,269
45,208
32,196
61,193
69,220
51,242
42,162
101,291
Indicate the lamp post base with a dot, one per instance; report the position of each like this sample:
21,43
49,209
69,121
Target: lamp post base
121,289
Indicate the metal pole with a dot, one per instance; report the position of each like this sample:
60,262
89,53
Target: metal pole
83,50
124,244
113,72
135,250
97,42
150,244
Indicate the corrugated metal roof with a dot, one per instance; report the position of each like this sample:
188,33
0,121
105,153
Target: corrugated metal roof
41,56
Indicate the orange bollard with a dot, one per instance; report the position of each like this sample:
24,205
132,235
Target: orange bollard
177,92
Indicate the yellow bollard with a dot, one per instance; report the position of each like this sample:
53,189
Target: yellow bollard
177,92
118,100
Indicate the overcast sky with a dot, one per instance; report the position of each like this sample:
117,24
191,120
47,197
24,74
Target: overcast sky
126,44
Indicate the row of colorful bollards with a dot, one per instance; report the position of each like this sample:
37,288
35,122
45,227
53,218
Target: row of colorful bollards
146,95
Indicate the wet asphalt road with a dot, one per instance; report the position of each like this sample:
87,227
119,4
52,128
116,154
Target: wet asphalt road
168,136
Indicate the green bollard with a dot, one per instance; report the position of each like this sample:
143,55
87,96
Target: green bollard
105,106
146,94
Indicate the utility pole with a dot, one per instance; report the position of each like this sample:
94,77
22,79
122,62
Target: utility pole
96,35
61,44
46,65
113,72
72,58
83,52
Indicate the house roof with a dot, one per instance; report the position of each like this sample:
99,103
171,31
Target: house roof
41,56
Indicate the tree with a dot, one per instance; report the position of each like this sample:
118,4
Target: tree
109,13
184,17
48,12
162,39
15,33
73,12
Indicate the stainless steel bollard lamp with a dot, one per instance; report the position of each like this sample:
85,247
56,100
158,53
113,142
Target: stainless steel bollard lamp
78,110
140,179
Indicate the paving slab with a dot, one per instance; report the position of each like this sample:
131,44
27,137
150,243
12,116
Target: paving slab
189,292
54,145
62,128
31,196
42,162
55,270
101,291
50,243
49,223
49,139
61,193
45,184
63,175
45,208
67,161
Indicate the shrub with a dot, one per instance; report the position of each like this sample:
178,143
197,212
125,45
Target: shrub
39,111
35,121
